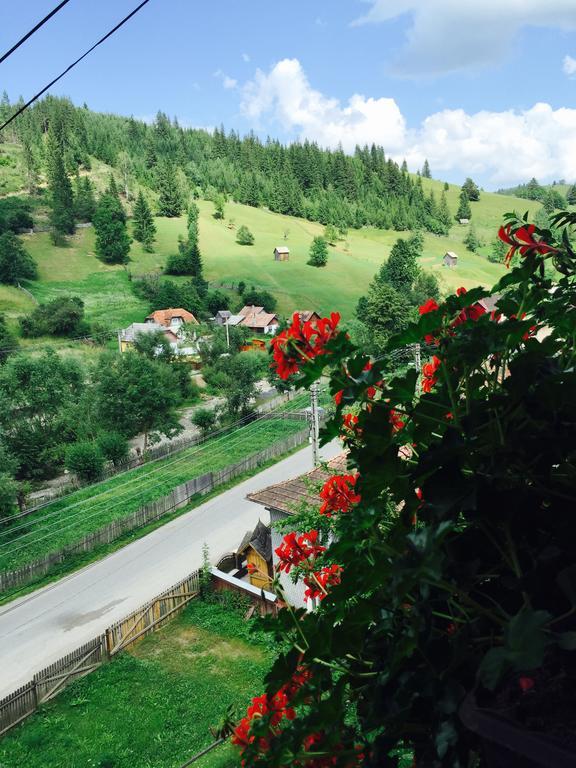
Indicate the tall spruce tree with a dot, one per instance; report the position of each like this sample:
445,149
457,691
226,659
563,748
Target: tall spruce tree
112,240
60,191
169,197
84,200
426,170
571,195
464,210
401,269
444,215
143,229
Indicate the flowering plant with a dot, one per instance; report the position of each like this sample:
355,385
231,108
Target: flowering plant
452,569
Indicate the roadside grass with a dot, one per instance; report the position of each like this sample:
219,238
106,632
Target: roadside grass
68,520
152,706
76,561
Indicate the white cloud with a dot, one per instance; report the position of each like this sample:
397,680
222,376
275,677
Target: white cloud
498,147
227,82
245,57
450,35
569,66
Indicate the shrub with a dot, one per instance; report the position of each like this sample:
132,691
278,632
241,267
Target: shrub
318,252
113,446
85,459
205,419
60,317
244,236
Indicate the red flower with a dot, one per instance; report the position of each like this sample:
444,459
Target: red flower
522,241
525,683
350,428
302,342
396,420
429,306
461,291
338,397
296,550
251,568
429,377
473,312
338,494
318,581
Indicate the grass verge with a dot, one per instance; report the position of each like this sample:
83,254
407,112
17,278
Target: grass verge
151,707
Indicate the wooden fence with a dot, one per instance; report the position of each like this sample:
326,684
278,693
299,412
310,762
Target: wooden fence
176,499
50,681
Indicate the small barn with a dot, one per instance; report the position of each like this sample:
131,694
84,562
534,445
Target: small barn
450,259
281,253
256,547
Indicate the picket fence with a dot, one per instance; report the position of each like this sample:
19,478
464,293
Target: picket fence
176,499
46,684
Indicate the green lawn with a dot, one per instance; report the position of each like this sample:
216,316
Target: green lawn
68,520
150,707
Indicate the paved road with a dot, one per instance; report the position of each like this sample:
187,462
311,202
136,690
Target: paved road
45,625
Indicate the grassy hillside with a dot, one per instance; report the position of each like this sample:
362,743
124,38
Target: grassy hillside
352,263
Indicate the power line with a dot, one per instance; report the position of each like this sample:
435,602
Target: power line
74,63
53,12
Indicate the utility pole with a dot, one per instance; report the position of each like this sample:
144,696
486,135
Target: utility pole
314,424
227,334
417,362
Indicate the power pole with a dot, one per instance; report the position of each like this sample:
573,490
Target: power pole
314,424
227,334
417,362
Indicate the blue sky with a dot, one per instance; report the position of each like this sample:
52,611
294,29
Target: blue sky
484,87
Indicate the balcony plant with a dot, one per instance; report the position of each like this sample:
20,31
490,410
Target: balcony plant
447,618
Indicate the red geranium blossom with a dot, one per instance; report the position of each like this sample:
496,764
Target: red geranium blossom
301,342
429,306
396,420
338,397
522,241
429,377
350,426
338,494
318,581
295,549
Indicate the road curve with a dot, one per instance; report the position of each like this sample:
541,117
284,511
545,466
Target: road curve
45,625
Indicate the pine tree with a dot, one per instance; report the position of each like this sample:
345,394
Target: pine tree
464,211
84,201
471,189
60,192
571,195
112,240
404,167
426,170
318,252
472,241
143,229
31,167
170,200
444,215
401,269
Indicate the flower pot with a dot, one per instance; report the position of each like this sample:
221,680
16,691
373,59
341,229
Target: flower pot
506,744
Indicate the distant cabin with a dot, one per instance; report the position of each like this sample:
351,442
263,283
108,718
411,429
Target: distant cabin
450,259
281,253
464,221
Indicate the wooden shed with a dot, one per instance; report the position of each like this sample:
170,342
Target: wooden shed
450,259
256,546
281,253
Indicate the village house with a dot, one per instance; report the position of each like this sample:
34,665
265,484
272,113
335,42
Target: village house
281,253
172,318
450,259
258,321
127,336
286,499
307,315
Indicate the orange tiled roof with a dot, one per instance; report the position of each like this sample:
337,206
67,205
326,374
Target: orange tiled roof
163,316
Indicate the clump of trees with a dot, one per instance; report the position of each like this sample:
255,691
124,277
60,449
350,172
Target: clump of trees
60,317
15,215
472,241
15,261
394,294
112,239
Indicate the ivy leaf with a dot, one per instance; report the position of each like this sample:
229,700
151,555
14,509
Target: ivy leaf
526,639
492,668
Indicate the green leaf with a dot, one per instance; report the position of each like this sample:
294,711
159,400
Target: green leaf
446,738
492,668
566,640
526,639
